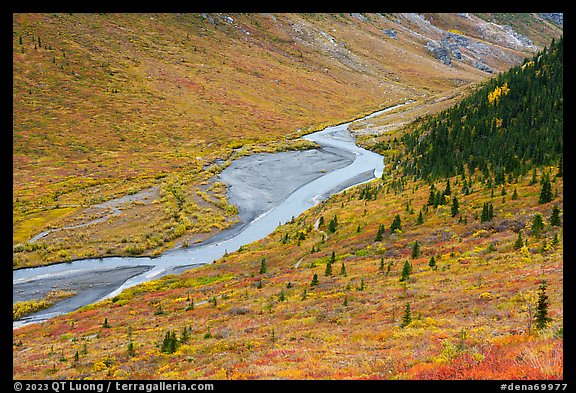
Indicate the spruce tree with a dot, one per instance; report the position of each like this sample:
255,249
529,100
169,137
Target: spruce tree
447,190
560,167
405,271
415,249
332,225
388,267
314,280
534,178
515,194
170,342
432,196
343,270
378,237
328,271
487,212
546,194
519,243
407,317
484,214
185,336
396,224
555,217
537,224
432,262
455,206
130,349
420,219
541,317
263,266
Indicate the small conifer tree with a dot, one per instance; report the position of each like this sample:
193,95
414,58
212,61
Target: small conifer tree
378,237
537,224
416,250
519,243
534,177
396,224
343,270
447,190
332,225
455,206
407,317
541,317
314,280
328,271
405,271
555,217
546,194
420,219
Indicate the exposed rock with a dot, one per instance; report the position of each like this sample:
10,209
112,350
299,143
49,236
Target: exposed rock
439,52
482,67
358,16
554,17
209,18
520,37
456,53
452,41
457,39
390,33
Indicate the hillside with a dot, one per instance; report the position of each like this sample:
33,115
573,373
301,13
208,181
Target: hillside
388,280
116,116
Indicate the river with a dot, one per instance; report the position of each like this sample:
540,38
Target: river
280,187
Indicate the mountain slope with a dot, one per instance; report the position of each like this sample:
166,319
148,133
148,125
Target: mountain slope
106,105
338,293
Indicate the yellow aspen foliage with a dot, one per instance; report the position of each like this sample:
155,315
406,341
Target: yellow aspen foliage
529,64
498,92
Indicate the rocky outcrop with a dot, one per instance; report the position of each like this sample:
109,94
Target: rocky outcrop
390,33
554,17
520,37
482,67
439,52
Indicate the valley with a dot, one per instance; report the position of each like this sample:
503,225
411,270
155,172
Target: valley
418,236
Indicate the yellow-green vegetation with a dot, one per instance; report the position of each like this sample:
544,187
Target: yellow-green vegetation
108,105
21,309
471,311
391,279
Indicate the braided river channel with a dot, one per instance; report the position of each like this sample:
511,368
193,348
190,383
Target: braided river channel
269,189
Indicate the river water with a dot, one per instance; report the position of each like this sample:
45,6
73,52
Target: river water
100,278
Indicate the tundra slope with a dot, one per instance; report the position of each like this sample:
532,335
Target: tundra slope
107,105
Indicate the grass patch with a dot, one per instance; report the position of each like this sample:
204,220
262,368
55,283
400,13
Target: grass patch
22,309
